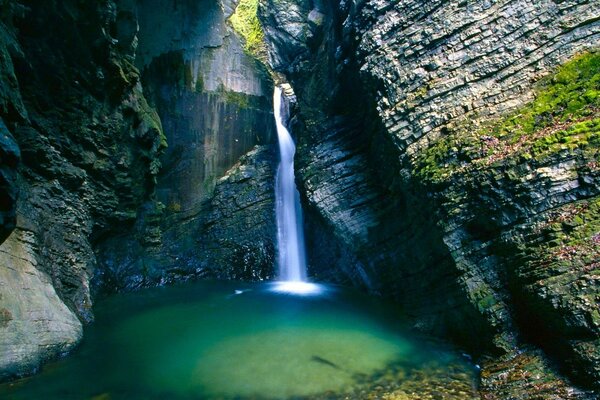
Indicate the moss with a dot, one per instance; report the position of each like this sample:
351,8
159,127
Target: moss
150,120
582,135
573,236
174,207
239,99
483,297
564,116
199,87
246,23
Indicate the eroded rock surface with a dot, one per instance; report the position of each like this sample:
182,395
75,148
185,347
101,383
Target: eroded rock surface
214,209
35,324
232,236
458,249
89,147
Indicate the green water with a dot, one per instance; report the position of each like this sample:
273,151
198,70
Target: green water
234,341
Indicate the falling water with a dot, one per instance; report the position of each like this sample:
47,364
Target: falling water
290,236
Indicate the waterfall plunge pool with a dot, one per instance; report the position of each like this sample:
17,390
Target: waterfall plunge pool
226,340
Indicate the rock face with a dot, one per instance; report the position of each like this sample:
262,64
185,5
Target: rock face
231,236
89,147
10,156
92,203
10,103
213,98
214,214
438,63
447,157
411,174
34,321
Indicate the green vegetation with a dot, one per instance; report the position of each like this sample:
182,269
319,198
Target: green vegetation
579,135
174,207
242,100
150,121
573,237
564,116
245,22
239,99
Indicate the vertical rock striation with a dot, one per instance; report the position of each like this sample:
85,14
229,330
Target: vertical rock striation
214,210
93,203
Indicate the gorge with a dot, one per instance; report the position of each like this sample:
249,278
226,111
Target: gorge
447,163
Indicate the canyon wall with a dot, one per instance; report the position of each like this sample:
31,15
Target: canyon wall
447,158
213,216
89,156
93,93
422,162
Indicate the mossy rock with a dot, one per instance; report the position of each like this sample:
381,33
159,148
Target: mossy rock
563,117
246,23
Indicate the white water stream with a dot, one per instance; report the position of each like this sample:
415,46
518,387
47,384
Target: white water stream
290,235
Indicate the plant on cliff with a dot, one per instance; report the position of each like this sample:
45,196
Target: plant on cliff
574,238
564,116
246,23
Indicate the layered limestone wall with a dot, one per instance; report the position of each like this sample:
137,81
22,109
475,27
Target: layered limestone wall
454,250
440,68
437,63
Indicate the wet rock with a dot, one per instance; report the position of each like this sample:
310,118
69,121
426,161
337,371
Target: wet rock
230,236
412,73
525,375
73,103
213,215
35,324
10,156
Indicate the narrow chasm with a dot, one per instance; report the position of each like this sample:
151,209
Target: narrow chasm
294,199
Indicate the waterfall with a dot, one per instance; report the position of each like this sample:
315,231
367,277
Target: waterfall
290,234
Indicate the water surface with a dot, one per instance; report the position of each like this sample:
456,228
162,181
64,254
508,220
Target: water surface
216,340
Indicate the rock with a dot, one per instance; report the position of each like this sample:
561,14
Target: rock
403,77
524,375
35,324
232,236
10,156
90,142
213,215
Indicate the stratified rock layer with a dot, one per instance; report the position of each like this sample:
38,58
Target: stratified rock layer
455,251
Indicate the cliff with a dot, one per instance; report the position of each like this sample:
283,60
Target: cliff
213,216
88,110
448,153
89,157
447,158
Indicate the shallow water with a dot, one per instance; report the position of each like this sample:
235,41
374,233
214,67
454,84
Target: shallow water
216,340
